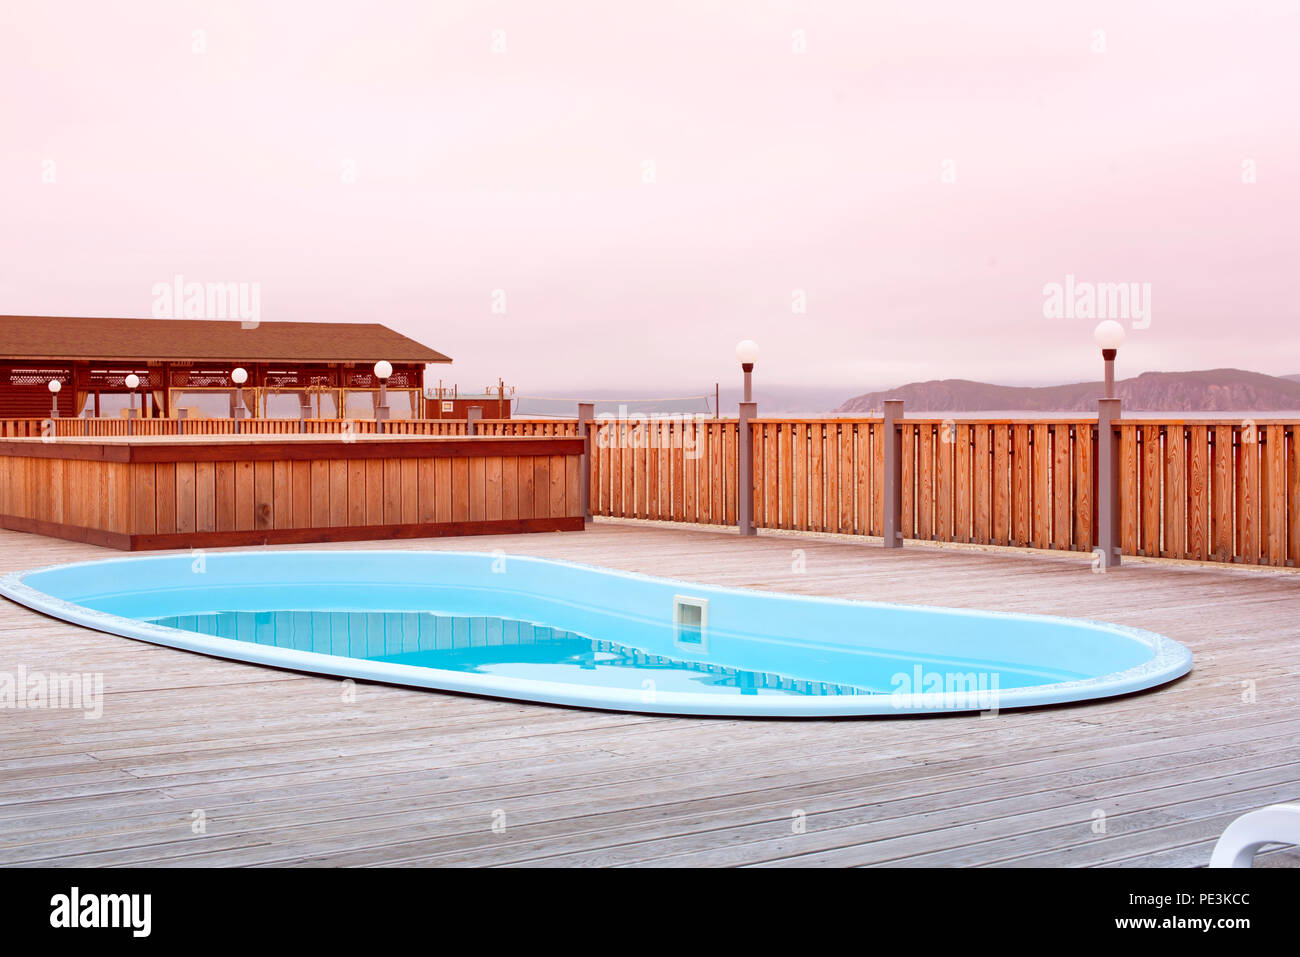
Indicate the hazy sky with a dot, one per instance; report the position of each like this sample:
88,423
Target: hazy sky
916,171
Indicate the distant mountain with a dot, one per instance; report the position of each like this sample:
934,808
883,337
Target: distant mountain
1212,390
784,399
773,399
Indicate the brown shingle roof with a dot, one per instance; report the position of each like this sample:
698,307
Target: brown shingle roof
66,338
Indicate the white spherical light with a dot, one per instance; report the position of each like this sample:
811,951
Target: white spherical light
55,386
383,369
747,351
1108,335
133,381
240,376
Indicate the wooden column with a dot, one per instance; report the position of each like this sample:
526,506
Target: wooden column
893,519
586,413
745,469
1108,533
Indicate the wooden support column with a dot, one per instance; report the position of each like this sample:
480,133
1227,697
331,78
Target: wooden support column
586,413
745,469
893,523
1108,534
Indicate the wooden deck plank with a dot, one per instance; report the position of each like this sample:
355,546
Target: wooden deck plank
288,772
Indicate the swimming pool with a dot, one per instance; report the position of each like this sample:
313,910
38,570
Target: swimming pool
552,631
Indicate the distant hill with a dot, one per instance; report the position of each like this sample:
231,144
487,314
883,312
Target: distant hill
1212,390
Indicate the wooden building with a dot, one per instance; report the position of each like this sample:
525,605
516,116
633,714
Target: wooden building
315,369
451,403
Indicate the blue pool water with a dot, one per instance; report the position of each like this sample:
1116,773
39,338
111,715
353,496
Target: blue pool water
542,630
490,646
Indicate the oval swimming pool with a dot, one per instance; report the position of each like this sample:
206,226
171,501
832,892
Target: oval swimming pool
552,631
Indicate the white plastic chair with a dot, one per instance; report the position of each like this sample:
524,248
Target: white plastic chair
1278,824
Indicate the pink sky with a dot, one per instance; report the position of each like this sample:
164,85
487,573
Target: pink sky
774,171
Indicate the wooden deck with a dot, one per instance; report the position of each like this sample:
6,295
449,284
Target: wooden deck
285,771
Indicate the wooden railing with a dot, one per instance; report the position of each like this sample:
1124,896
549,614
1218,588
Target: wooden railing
670,469
1209,490
1226,491
109,427
819,475
1027,484
1223,490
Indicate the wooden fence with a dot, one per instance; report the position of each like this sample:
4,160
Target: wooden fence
670,469
1226,491
1207,489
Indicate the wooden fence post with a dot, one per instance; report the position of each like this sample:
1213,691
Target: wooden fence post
1108,540
890,432
586,413
745,469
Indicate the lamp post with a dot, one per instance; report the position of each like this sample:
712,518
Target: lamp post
1109,336
747,354
239,376
132,383
55,387
383,369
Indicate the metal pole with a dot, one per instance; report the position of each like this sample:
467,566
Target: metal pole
748,368
1108,540
893,492
586,413
473,415
381,411
745,466
1109,356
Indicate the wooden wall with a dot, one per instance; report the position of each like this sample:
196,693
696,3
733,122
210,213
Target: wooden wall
172,494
